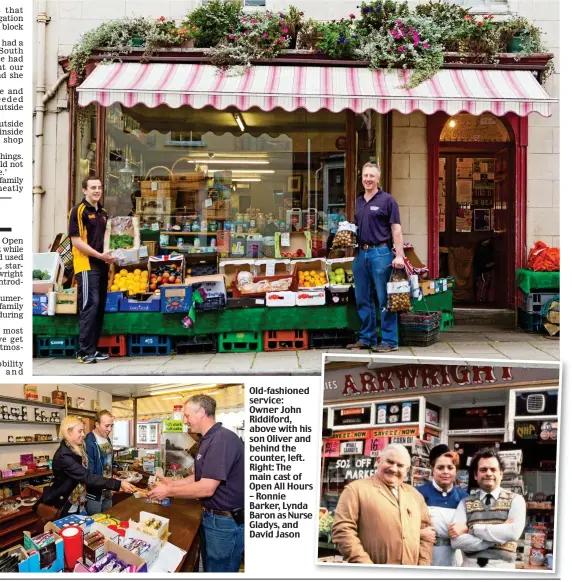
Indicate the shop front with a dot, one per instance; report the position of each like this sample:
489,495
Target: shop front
255,173
512,409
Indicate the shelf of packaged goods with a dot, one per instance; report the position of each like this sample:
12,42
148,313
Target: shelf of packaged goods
28,422
29,475
79,411
30,443
29,402
181,233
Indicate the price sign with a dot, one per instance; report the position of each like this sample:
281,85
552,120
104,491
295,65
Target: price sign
270,269
285,239
172,426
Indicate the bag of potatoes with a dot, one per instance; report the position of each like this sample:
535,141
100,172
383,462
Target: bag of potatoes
346,236
398,292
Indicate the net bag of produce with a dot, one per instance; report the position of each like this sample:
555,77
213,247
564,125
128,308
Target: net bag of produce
398,292
346,236
122,238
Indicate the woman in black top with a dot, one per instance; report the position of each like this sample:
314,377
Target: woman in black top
71,476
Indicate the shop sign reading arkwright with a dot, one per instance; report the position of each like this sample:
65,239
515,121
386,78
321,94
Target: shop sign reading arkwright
391,380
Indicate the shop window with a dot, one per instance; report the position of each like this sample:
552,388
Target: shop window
257,3
86,146
480,417
472,128
252,173
484,6
371,141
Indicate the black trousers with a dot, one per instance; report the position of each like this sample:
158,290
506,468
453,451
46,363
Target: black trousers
92,294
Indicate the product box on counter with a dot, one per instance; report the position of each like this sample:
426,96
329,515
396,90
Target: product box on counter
230,268
18,551
271,267
293,245
154,544
176,299
151,303
304,269
310,298
112,301
281,299
334,278
147,522
245,302
49,559
39,304
124,555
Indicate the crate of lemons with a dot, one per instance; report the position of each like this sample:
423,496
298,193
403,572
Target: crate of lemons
310,279
133,282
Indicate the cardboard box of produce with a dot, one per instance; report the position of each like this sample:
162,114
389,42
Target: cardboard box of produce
299,247
340,274
66,302
230,268
309,275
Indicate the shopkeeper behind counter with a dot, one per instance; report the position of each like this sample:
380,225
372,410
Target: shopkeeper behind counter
218,482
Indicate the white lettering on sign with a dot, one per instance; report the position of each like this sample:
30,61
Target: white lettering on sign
416,377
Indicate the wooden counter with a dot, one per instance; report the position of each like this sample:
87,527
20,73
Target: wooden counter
184,517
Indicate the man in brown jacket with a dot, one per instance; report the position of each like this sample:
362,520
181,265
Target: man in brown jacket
379,520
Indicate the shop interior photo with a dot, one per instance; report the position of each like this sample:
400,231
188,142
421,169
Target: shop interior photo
149,438
465,406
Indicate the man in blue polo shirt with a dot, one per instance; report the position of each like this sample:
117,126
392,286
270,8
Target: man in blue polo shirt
218,482
379,229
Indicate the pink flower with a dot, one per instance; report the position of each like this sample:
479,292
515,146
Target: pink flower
425,45
275,42
400,49
231,36
282,38
285,30
161,19
265,35
352,16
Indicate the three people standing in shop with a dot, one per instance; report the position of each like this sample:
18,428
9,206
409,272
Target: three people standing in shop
382,520
86,228
218,481
379,230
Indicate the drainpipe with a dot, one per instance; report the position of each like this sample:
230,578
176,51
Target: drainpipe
42,98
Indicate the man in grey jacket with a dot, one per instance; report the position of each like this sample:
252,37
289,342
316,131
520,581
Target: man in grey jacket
100,461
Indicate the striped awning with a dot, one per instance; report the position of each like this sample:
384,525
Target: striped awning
312,88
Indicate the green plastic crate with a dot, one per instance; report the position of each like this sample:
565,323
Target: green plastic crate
438,302
240,342
447,320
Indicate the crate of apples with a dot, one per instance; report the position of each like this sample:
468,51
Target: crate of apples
310,279
165,275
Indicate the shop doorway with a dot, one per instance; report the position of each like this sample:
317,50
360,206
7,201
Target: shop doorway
467,447
475,205
476,199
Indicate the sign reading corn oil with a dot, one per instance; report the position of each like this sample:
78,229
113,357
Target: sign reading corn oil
420,379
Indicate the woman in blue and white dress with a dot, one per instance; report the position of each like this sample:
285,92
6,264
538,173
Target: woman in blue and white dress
442,498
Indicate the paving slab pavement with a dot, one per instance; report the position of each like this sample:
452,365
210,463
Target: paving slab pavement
481,342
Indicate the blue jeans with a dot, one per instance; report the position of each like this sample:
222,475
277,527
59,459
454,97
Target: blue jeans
372,270
222,543
98,506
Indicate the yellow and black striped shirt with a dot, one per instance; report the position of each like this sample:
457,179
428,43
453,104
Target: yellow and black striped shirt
88,223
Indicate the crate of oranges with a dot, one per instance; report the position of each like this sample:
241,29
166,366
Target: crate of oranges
132,280
309,274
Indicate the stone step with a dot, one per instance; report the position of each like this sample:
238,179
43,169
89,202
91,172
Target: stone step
501,318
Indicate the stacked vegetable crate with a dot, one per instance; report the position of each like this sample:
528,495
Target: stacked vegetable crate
530,307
